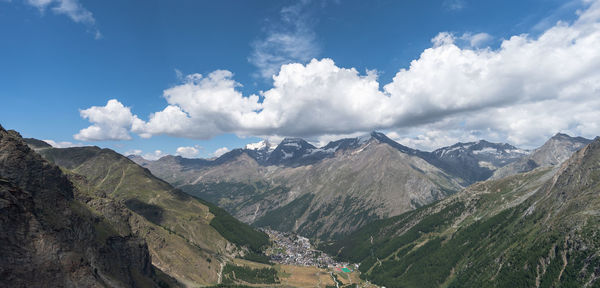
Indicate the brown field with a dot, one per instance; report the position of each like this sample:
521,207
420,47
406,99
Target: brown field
299,276
349,278
296,276
253,265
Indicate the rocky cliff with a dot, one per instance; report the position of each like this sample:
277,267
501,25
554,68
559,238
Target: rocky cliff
49,239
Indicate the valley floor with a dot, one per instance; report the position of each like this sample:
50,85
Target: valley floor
298,264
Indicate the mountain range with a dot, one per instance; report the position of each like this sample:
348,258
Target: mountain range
87,216
328,192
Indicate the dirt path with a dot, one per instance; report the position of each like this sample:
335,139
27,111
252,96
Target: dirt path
220,274
337,284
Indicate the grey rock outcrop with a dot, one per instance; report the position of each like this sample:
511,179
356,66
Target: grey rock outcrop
48,239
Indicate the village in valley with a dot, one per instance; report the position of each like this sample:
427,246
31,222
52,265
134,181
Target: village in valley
292,249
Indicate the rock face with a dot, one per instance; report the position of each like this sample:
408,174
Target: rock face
534,229
49,239
556,150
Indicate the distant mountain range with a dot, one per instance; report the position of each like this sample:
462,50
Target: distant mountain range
534,229
331,191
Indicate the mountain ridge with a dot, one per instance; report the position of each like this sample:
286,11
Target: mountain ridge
297,152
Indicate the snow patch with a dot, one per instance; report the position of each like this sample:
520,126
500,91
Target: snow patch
332,150
485,164
291,144
363,139
487,150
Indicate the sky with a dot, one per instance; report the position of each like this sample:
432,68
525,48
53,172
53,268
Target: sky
199,78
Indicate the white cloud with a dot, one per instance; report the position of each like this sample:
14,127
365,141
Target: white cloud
157,154
110,122
289,40
187,151
70,8
220,151
431,138
62,144
454,5
137,152
476,40
201,107
524,91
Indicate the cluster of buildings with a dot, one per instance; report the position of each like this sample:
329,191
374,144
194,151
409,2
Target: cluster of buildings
292,249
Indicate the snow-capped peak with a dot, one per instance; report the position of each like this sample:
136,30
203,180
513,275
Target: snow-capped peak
262,145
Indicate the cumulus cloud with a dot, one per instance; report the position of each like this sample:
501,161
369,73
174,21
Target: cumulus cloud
137,152
201,107
157,154
287,40
524,91
110,122
220,151
70,8
187,151
476,40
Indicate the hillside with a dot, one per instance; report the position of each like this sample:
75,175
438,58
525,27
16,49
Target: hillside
187,238
50,238
537,229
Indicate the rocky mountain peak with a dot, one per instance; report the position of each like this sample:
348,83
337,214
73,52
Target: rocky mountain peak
295,144
555,151
562,137
294,152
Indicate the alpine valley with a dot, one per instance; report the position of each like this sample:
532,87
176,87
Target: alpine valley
475,214
310,144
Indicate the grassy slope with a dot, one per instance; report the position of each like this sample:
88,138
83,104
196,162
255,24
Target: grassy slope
521,231
186,236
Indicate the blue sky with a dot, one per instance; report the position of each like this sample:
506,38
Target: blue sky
59,57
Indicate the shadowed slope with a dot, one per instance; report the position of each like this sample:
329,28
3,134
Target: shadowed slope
188,238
